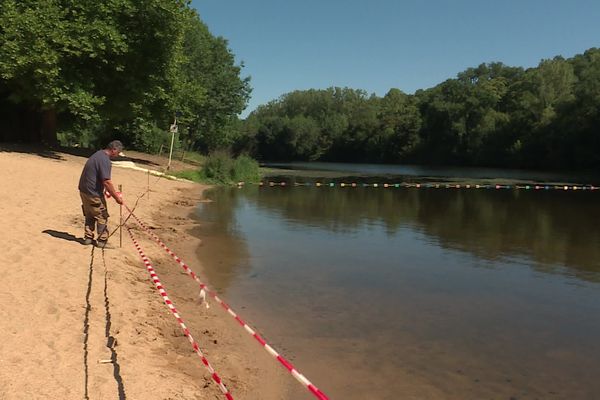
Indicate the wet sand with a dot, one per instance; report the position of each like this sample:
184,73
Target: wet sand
66,314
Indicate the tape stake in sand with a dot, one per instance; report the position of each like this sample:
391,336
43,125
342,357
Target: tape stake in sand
171,306
286,364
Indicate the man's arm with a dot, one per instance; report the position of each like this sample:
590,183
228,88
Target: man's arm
108,185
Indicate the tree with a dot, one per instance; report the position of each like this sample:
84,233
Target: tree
489,115
537,99
400,124
210,92
118,68
577,126
41,42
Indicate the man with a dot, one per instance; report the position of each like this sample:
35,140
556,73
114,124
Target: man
95,178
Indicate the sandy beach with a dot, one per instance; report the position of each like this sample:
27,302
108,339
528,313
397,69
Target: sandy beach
80,323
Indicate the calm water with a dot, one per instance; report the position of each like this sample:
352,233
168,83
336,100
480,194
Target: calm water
380,293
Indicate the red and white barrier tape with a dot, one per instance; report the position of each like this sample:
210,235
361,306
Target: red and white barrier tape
171,306
287,365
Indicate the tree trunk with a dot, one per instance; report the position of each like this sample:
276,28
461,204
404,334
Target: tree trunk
27,124
48,128
29,121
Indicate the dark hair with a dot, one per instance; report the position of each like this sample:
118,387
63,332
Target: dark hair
115,145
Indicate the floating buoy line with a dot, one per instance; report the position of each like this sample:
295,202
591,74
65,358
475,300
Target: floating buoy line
536,186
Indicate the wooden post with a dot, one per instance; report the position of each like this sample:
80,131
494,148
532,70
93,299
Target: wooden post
121,217
171,150
173,130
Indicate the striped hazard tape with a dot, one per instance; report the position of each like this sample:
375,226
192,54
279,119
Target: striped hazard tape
171,306
286,364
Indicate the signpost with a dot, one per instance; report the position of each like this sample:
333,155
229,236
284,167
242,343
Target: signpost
173,130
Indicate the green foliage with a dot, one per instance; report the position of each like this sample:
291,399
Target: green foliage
148,137
86,72
490,115
209,91
81,133
245,169
117,68
221,168
194,176
400,122
193,157
218,167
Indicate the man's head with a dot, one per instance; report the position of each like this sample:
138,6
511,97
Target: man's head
114,148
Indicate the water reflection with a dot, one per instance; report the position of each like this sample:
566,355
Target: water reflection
433,293
223,251
551,227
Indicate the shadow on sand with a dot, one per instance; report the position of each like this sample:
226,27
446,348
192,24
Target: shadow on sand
63,235
55,152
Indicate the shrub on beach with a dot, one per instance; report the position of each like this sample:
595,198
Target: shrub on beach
219,167
245,169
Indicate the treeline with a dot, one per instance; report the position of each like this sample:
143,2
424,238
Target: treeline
491,115
83,72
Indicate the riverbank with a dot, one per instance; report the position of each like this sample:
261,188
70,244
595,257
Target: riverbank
58,305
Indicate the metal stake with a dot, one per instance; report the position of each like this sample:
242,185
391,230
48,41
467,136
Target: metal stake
121,217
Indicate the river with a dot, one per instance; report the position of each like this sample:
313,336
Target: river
416,293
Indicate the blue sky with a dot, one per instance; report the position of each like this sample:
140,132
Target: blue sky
376,45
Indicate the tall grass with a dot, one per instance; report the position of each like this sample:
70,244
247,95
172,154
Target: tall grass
220,168
245,169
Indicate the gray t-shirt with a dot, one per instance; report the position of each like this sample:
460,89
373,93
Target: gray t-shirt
95,172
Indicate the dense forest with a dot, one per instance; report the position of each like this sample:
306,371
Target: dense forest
82,72
491,115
